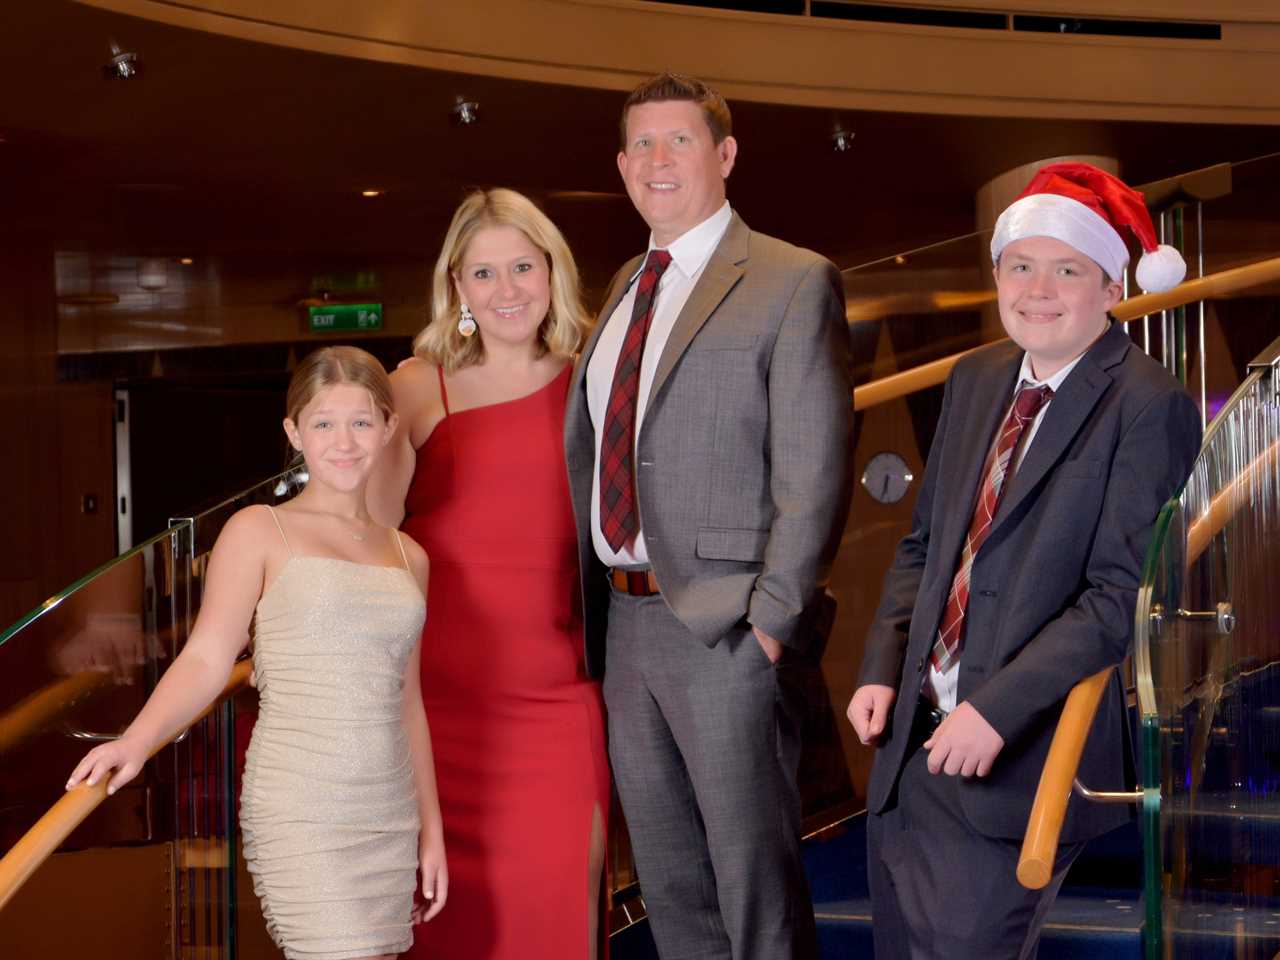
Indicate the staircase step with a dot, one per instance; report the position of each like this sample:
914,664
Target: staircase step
1098,915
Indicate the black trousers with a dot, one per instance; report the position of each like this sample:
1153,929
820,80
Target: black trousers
939,889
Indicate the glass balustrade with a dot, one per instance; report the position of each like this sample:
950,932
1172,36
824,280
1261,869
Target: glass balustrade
1208,670
76,671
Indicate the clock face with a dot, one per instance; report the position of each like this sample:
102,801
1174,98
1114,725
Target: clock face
887,477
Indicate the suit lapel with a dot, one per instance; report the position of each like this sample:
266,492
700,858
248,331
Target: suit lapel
722,272
968,443
1067,413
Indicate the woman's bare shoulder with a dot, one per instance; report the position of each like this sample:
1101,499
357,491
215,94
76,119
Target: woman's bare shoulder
415,385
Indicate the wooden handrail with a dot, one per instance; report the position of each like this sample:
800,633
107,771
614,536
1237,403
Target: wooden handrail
1192,291
1040,844
70,810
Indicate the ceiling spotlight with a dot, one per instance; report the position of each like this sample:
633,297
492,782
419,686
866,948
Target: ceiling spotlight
842,140
122,65
465,111
186,261
371,192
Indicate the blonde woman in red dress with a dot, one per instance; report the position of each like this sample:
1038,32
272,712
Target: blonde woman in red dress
476,475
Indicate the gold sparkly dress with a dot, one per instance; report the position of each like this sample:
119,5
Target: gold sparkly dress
328,811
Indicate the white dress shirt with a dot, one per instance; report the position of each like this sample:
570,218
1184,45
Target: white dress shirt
940,688
689,255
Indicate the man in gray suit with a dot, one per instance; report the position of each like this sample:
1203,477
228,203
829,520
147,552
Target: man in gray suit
707,439
1019,578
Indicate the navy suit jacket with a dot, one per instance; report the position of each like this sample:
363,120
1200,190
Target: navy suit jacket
1054,587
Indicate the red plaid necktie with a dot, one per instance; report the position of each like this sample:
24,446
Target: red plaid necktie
618,519
946,649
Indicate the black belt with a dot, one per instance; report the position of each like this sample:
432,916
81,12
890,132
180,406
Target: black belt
926,720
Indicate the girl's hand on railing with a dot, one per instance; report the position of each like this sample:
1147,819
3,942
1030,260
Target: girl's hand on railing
435,881
124,756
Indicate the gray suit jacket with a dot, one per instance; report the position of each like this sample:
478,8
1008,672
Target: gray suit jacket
742,466
1053,589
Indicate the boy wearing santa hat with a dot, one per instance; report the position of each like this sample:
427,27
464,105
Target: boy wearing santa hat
1054,452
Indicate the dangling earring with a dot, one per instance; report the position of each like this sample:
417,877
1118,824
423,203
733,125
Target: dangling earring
467,322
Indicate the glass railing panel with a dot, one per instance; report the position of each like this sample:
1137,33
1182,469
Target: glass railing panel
1209,690
76,670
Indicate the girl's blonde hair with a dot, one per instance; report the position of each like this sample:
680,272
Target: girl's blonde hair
566,323
329,366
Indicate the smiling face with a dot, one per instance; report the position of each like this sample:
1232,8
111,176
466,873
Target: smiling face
673,169
506,281
1053,301
340,434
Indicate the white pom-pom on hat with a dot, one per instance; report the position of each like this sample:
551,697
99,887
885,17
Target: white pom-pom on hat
1161,269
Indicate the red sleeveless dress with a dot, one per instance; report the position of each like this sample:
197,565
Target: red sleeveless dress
517,729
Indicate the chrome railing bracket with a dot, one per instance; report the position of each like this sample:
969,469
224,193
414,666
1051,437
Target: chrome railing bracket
1223,615
1107,796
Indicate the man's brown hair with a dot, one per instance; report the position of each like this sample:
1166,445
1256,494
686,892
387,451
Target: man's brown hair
675,86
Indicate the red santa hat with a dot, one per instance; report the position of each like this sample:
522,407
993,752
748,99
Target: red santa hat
1087,208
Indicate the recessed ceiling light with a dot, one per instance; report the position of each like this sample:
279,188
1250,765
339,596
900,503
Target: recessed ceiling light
372,192
186,261
842,140
123,65
465,111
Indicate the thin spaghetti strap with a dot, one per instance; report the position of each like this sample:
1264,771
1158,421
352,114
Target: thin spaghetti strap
444,394
272,511
400,544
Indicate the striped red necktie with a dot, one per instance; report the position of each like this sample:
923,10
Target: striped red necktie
1027,403
618,520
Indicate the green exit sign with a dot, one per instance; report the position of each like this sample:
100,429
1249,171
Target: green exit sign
345,316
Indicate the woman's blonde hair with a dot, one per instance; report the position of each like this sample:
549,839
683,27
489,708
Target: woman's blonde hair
329,366
566,324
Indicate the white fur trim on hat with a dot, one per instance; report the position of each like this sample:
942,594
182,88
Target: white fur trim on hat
1065,219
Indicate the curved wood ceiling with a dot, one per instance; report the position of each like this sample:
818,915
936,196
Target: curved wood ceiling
234,145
